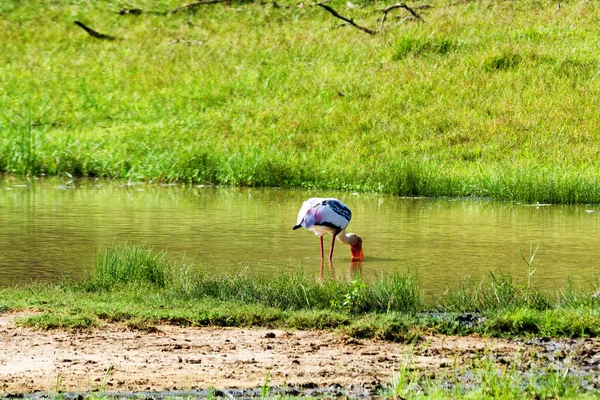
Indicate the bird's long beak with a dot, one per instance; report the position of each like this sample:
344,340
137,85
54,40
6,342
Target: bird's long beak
357,253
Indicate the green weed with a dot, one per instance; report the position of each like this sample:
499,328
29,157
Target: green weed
131,264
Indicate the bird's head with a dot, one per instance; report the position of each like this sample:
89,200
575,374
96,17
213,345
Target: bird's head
355,247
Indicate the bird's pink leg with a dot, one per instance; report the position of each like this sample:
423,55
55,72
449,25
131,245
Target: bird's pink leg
322,253
331,250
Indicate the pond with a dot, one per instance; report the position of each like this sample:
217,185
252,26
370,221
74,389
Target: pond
53,228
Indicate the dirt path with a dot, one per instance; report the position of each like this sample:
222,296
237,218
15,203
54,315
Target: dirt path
175,358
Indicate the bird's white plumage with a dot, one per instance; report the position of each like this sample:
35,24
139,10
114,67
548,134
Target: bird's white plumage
324,215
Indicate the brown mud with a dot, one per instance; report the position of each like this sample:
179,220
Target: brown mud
179,359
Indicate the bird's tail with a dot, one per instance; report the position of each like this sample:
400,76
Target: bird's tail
297,227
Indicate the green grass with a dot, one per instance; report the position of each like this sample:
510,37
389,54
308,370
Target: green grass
489,98
135,286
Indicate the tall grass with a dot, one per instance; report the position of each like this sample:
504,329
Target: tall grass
135,265
491,98
23,144
392,303
132,264
134,285
500,292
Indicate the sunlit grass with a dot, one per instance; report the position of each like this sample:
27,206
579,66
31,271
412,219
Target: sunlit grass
489,98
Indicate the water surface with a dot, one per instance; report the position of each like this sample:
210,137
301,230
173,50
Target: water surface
49,229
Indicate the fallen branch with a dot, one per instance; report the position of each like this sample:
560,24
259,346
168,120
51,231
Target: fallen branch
350,21
95,34
399,5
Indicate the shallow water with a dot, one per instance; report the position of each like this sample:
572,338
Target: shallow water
49,229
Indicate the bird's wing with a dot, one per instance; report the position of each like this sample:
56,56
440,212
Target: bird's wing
306,211
334,213
326,212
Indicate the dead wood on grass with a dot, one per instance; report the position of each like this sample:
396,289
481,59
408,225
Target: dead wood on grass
348,20
385,13
395,6
94,33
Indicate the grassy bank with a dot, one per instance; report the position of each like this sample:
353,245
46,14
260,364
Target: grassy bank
140,289
135,286
488,98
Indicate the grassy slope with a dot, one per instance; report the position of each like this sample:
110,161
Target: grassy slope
489,98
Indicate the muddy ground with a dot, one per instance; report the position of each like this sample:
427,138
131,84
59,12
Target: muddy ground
176,359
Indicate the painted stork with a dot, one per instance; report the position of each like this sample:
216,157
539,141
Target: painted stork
329,216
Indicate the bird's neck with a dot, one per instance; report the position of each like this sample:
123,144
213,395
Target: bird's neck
346,239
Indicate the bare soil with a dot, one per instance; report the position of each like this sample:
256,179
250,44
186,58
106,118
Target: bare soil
171,358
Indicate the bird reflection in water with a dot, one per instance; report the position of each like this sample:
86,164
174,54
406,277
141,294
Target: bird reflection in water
354,270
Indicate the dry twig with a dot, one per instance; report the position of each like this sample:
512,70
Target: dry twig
350,21
398,5
93,33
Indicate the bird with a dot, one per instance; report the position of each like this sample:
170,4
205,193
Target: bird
329,215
